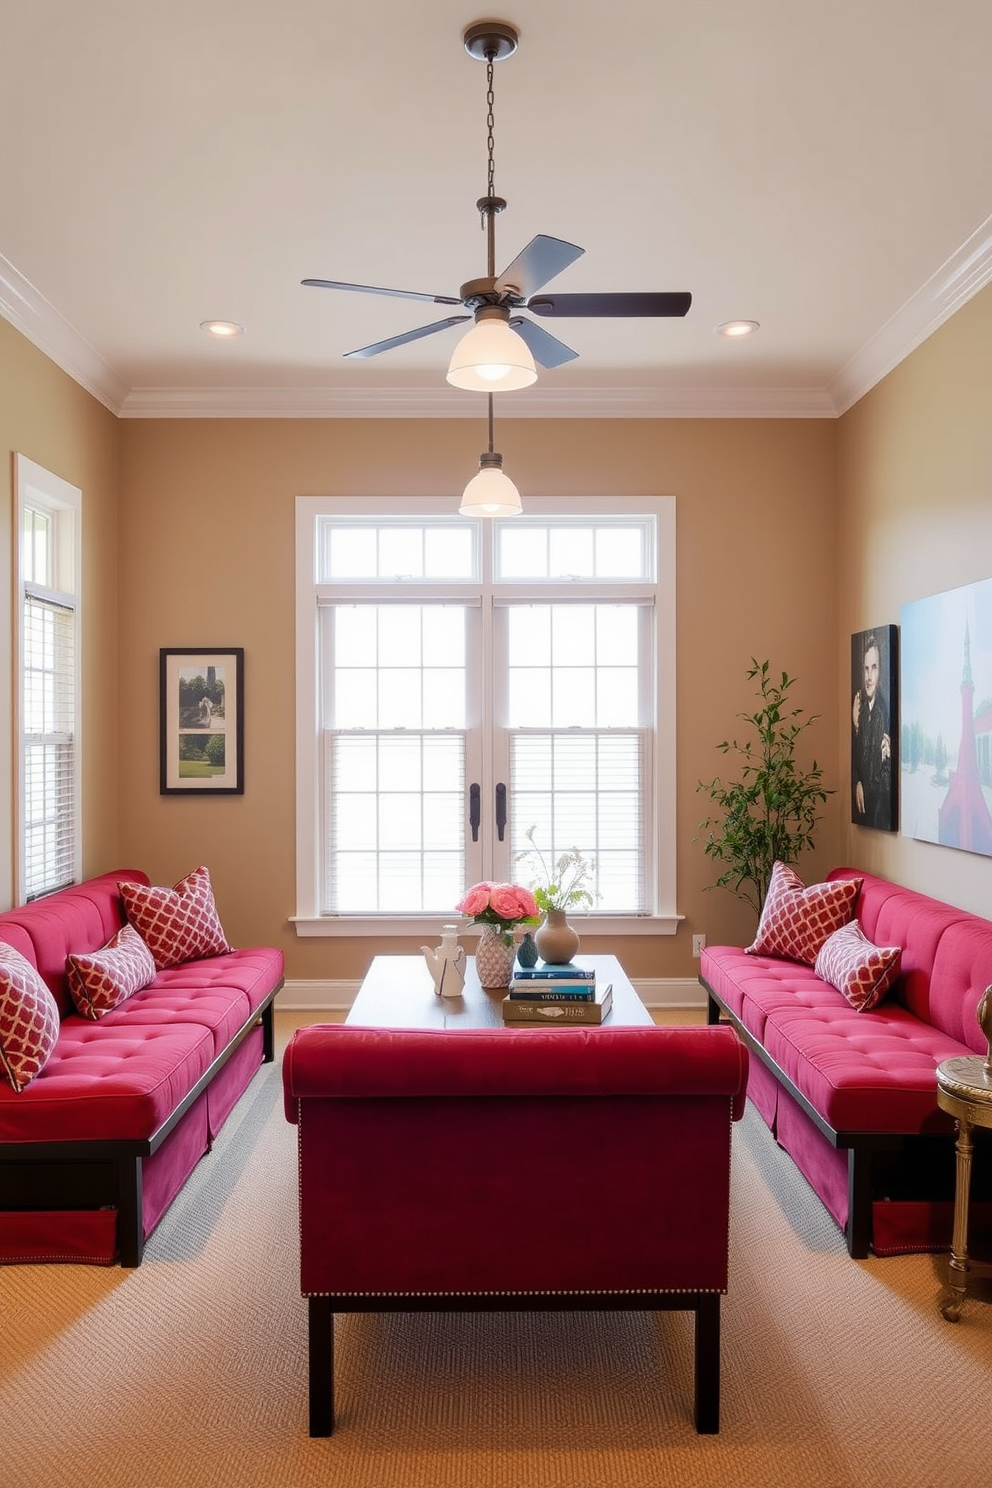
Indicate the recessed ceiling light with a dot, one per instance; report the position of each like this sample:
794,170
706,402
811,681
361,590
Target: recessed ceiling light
224,329
735,328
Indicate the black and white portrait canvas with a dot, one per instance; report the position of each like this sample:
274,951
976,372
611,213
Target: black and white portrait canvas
874,730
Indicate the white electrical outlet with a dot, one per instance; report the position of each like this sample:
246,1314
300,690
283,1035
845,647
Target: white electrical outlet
698,945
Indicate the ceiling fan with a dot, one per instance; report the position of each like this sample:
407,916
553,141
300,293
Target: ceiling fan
500,351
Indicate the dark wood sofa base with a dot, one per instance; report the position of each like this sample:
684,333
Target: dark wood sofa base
866,1151
704,1305
108,1175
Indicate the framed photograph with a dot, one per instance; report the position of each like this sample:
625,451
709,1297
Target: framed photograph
201,701
874,729
947,718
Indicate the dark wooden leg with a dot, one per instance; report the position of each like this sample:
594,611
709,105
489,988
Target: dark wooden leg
859,1199
130,1235
712,1011
321,1365
268,1035
707,1401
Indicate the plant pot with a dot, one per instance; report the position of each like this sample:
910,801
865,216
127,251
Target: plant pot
556,941
494,958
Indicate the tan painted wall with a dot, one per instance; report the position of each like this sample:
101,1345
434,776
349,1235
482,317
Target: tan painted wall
48,417
207,550
915,489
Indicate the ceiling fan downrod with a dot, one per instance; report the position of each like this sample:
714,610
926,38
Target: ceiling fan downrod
490,42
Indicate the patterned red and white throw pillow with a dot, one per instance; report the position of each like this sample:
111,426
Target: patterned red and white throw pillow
100,980
177,924
29,1019
796,920
864,972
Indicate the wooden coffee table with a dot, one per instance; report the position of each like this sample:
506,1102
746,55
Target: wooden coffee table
398,992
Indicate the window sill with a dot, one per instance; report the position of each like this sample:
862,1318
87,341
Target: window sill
378,927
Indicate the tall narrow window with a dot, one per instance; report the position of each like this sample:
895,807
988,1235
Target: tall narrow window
460,683
49,846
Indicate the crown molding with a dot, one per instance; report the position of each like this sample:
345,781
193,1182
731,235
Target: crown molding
30,313
957,281
961,277
443,402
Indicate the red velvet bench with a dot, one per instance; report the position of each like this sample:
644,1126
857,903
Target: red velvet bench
94,1150
494,1170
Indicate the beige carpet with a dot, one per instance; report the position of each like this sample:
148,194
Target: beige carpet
191,1370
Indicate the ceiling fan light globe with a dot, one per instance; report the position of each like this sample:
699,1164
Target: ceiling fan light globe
490,494
491,358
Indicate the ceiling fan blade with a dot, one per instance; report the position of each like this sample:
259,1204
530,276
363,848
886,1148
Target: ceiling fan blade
674,303
534,265
544,348
428,330
399,294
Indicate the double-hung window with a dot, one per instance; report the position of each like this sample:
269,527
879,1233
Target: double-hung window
463,682
49,848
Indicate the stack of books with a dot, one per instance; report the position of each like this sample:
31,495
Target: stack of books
556,994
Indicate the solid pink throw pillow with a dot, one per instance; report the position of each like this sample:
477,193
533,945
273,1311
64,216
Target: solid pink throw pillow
796,920
177,924
100,980
29,1019
862,971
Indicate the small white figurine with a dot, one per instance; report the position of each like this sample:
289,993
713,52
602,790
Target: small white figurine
447,964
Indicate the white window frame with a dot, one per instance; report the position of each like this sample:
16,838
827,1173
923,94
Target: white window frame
40,490
664,918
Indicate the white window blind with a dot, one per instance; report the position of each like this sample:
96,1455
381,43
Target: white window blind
584,791
49,745
395,827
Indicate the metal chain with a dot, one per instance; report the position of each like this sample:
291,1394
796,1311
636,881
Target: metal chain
490,124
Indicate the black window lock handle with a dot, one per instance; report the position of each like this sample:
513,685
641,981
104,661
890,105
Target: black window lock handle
474,810
500,810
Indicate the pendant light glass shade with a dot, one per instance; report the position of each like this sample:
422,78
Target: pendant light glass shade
492,358
490,493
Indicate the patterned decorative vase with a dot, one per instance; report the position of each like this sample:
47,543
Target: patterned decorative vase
527,951
556,941
494,958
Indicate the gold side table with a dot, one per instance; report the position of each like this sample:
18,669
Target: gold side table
964,1090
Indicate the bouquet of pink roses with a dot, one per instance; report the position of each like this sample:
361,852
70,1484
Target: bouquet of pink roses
504,905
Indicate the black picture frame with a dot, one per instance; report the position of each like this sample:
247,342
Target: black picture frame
874,723
201,721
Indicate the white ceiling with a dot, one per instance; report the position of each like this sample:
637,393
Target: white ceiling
822,169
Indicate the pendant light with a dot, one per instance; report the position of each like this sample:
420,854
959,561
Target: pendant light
491,357
491,493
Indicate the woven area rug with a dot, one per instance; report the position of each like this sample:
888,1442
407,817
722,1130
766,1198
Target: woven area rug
191,1370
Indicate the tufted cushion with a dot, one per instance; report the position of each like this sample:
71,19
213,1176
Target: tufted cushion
796,920
864,972
108,1082
177,924
99,980
29,1019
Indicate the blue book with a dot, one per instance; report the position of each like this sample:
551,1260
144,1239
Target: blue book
543,972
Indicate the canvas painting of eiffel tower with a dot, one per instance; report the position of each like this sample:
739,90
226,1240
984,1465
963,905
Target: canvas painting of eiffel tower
946,775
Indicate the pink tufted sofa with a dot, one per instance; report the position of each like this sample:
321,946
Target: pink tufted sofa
96,1147
501,1169
851,1096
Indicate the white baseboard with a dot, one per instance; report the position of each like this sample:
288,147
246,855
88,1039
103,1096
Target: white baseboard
670,992
655,992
